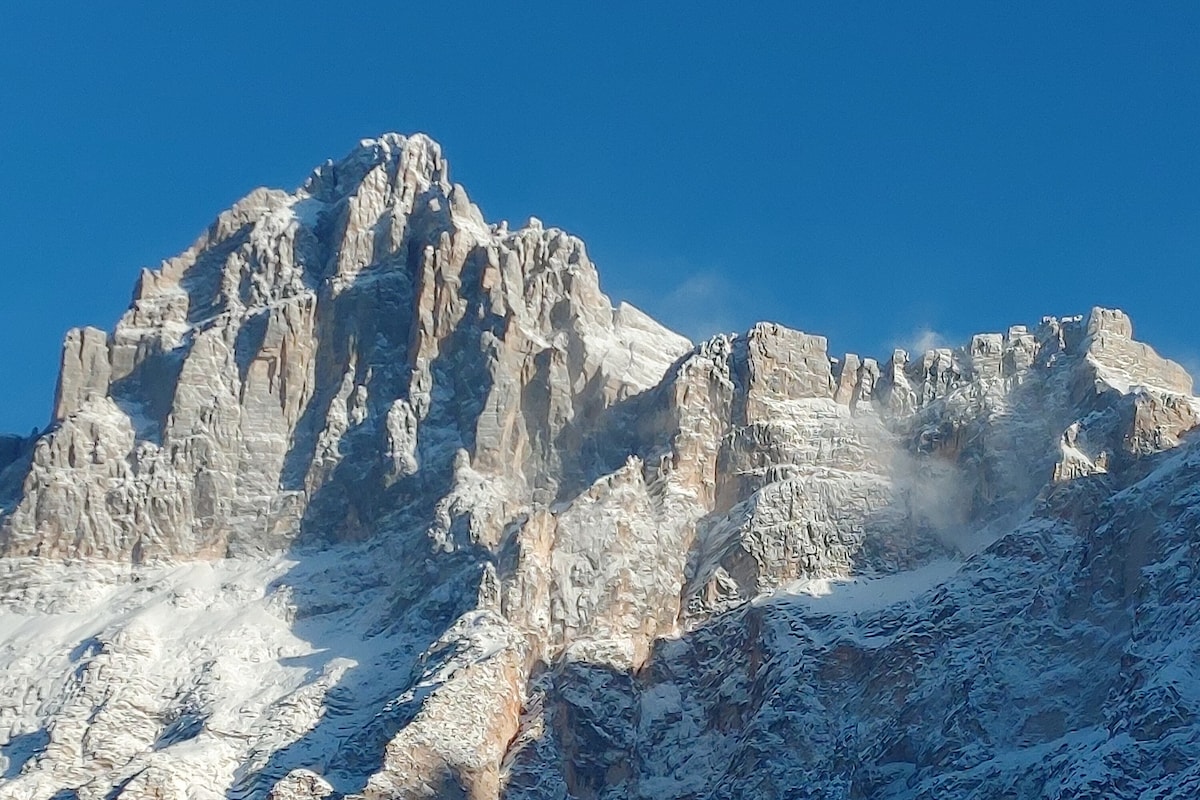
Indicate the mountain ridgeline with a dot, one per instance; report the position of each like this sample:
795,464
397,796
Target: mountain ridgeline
365,497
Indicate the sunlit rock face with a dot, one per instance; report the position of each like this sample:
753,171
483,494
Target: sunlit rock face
366,497
314,352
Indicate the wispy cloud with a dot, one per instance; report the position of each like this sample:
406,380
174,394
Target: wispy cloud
922,339
701,305
1191,362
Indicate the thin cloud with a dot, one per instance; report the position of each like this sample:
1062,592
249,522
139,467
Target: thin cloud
700,306
1191,363
921,340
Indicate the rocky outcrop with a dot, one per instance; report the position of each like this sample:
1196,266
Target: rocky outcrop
314,351
85,373
365,497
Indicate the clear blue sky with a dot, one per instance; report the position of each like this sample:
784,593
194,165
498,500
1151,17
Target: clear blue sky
869,171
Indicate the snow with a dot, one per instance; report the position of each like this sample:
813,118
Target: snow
858,594
103,656
307,210
215,680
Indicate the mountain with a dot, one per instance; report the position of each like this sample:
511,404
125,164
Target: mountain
365,497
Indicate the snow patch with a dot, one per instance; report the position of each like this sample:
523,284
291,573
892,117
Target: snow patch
853,595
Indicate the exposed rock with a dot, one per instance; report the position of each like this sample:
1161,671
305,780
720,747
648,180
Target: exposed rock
366,498
306,340
301,784
84,373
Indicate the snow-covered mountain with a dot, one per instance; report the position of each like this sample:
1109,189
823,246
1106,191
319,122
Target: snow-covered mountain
366,497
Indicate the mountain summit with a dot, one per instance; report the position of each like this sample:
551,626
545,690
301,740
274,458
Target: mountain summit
365,497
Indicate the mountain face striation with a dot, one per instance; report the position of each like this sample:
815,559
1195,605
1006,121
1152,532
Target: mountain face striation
365,497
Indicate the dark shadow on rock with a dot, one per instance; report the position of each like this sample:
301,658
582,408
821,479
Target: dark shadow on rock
372,320
203,280
11,449
899,664
16,457
448,784
778,689
369,704
816,697
16,461
599,441
21,749
145,393
399,591
116,791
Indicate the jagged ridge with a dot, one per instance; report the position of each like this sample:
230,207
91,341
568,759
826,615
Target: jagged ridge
481,533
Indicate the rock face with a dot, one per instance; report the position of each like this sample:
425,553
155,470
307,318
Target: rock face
365,497
313,352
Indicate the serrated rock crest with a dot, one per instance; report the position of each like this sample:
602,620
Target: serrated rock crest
366,497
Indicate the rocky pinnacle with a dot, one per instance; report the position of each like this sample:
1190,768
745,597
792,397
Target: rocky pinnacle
366,497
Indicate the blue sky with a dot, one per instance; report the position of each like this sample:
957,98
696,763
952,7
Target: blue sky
880,173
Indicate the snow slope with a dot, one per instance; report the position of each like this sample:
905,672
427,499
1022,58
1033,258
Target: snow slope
365,497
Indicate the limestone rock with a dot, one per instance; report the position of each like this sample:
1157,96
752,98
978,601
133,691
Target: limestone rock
85,371
261,380
367,498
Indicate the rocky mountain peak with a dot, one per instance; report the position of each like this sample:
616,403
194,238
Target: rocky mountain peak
365,497
318,331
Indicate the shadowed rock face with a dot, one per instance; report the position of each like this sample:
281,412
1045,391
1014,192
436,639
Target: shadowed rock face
313,353
365,497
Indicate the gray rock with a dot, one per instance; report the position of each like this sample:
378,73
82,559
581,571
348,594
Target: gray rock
366,498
